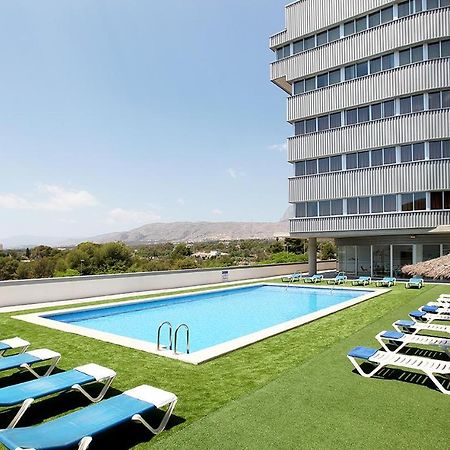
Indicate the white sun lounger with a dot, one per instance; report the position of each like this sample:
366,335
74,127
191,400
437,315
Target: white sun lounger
401,340
24,394
381,359
413,327
422,316
27,359
435,309
15,343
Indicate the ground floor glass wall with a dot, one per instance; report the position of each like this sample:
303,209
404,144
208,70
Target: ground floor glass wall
385,260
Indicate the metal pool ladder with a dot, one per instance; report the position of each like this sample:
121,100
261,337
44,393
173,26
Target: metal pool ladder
158,339
183,325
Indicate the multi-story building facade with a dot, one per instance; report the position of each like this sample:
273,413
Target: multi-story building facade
369,103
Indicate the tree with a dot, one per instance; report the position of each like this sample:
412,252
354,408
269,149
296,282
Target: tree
181,251
327,250
297,246
28,253
8,268
41,251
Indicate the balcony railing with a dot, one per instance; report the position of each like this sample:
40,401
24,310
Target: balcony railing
373,223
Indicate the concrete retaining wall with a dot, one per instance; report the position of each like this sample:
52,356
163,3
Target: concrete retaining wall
25,292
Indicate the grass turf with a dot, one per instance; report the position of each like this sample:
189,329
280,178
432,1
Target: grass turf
294,389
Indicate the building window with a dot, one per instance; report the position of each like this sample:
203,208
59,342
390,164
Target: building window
377,204
298,46
349,28
323,123
324,165
300,209
352,206
363,159
311,167
336,163
375,111
390,155
311,209
311,126
337,207
405,153
351,116
335,77
377,158
300,168
418,152
390,203
362,69
351,161
420,201
361,24
299,128
335,120
447,200
389,108
324,208
407,202
436,150
387,14
437,200
374,19
364,114
387,61
309,43
364,205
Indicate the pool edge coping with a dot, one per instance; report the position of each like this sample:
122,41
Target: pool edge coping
209,353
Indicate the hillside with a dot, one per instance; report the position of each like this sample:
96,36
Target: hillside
195,232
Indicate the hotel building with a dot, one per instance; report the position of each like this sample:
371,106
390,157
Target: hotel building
368,84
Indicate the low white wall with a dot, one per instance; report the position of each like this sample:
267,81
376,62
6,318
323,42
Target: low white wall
42,290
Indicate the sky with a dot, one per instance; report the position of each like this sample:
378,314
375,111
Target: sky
117,113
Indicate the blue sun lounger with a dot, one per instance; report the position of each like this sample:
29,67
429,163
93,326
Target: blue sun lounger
24,394
27,359
78,428
16,343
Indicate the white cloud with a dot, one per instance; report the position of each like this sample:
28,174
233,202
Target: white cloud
234,173
217,212
180,201
49,198
129,216
279,147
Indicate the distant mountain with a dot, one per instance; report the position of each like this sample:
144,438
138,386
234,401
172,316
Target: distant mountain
195,232
164,232
33,241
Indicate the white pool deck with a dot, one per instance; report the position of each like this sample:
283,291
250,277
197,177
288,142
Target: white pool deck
195,357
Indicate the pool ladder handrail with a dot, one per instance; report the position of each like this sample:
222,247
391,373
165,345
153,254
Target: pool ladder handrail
179,327
158,338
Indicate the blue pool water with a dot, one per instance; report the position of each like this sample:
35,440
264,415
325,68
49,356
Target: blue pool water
213,317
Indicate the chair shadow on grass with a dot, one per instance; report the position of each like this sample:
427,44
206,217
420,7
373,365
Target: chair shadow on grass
406,376
121,437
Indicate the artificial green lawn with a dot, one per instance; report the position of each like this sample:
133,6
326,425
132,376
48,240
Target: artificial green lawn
294,390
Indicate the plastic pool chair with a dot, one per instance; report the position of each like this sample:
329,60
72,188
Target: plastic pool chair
381,359
401,340
78,428
15,343
387,281
422,316
435,309
314,279
412,327
414,282
338,279
362,281
27,359
24,394
291,278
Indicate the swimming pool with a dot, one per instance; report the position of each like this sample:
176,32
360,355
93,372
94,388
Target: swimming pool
219,321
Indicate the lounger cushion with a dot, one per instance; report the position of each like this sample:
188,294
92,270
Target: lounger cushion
418,314
67,431
362,352
405,323
13,395
431,309
12,362
392,335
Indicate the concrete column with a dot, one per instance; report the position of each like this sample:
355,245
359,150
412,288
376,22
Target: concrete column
312,256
